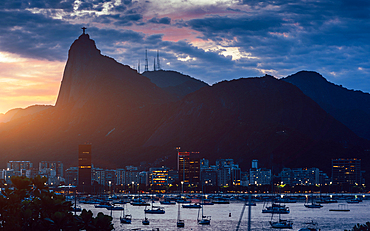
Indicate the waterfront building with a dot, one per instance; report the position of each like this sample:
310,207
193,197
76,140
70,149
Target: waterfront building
18,165
259,176
110,177
188,165
223,177
324,179
228,173
204,163
209,176
244,178
173,176
300,176
235,175
71,176
120,173
144,178
9,173
158,176
132,176
84,167
98,175
346,171
45,166
52,170
2,174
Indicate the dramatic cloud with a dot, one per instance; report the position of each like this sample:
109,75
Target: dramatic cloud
209,40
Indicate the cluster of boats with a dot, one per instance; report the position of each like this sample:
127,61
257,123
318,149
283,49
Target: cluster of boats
202,219
277,207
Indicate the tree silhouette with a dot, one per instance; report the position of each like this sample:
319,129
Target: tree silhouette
31,206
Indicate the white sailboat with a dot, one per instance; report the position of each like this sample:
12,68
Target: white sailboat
204,220
126,218
281,224
180,223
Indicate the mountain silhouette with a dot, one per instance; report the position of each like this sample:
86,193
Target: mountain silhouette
130,119
20,112
174,83
348,106
258,118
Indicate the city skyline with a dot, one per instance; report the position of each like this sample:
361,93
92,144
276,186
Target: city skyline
202,39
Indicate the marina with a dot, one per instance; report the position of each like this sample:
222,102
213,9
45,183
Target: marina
226,216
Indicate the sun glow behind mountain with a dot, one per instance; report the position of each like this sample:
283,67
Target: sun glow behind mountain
201,38
26,81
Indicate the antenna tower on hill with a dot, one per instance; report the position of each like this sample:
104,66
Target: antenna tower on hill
138,67
146,60
158,64
154,65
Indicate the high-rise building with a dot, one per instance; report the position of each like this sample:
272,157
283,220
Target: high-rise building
259,176
120,176
300,176
228,172
45,166
84,166
209,176
158,176
98,175
188,165
18,165
346,171
72,176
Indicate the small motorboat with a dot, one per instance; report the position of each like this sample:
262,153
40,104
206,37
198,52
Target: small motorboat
353,201
276,208
206,220
126,219
115,208
180,223
313,206
192,206
145,221
341,208
155,210
168,202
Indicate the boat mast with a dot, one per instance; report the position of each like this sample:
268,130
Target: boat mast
178,212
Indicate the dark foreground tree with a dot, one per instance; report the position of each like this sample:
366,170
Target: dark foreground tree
360,227
30,205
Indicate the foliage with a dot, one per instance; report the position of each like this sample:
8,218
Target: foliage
30,205
359,227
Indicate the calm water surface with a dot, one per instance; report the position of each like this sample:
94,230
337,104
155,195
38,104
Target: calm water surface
327,220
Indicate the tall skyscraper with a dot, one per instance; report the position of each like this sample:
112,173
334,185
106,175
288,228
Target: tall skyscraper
189,167
346,171
84,167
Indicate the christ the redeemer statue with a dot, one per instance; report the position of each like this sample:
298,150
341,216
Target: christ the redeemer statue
83,30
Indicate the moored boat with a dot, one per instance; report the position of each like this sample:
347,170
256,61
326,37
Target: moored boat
276,208
126,219
192,206
313,206
281,224
155,210
145,221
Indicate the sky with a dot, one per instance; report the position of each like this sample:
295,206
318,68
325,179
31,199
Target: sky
208,40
